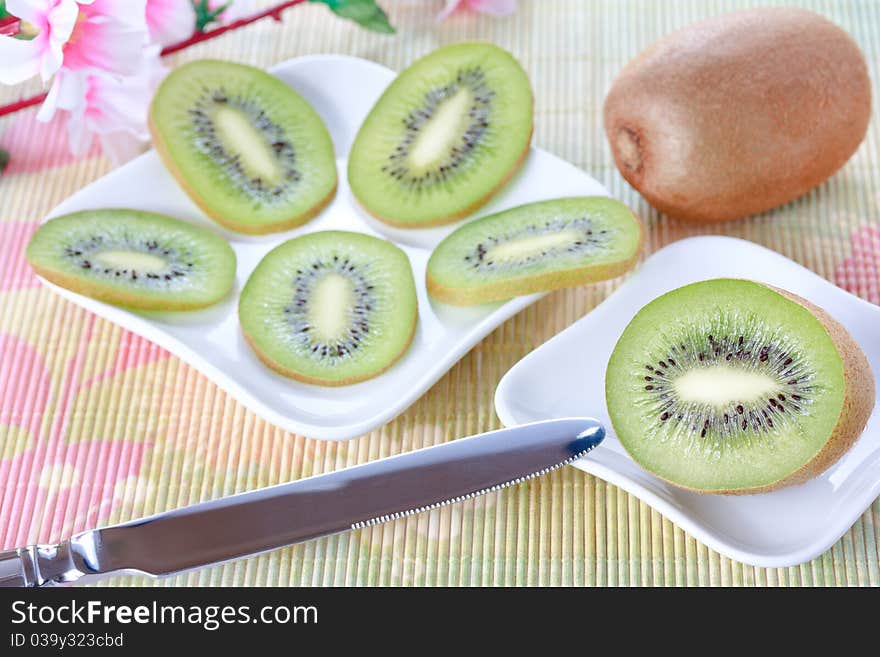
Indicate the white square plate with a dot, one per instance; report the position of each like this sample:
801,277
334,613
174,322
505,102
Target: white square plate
566,377
342,90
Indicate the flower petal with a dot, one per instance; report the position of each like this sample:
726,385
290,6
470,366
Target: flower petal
493,7
170,21
61,21
54,21
67,92
451,6
21,59
30,11
114,108
110,38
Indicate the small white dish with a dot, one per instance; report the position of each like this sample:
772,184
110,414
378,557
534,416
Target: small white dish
566,377
342,90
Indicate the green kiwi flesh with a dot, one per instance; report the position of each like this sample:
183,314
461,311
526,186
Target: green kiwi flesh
331,307
448,132
731,386
535,248
134,259
248,149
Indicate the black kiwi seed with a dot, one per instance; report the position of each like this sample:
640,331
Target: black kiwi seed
477,258
230,162
82,253
473,79
297,312
771,357
134,259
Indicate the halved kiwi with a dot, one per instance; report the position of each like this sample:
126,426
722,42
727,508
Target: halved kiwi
248,149
447,134
135,259
534,248
331,307
732,386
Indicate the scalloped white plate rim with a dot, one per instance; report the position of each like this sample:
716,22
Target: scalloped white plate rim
854,481
358,83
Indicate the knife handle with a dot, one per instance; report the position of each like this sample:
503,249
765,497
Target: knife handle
43,565
13,571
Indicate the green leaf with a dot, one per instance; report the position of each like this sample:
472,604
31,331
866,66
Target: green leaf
365,13
4,159
205,15
3,12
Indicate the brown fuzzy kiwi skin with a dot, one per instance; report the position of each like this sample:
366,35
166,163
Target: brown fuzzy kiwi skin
298,376
858,402
247,229
858,398
738,114
543,283
464,212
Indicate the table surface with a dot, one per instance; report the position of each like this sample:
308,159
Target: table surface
99,426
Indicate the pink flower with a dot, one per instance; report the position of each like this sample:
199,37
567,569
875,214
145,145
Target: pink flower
105,34
109,35
170,21
53,21
491,7
100,104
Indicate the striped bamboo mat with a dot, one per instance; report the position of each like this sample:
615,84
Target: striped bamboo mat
98,425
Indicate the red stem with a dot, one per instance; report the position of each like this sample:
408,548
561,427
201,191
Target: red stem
22,104
197,37
9,26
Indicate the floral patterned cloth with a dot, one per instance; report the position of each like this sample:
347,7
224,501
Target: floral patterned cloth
99,426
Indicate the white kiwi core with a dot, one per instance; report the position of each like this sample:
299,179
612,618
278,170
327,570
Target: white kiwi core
722,385
135,260
441,131
329,308
526,247
239,136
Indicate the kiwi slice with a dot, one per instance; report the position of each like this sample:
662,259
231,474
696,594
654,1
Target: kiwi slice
331,307
248,149
534,248
135,259
447,134
731,386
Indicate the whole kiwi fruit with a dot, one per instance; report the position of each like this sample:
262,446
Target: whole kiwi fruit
738,114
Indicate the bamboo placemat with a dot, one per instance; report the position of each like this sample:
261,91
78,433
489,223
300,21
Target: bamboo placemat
100,426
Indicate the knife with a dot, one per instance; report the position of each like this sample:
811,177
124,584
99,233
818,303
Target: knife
257,521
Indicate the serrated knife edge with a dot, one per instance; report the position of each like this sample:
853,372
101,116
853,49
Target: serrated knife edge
257,521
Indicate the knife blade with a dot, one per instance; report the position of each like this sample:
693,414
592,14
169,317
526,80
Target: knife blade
257,521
